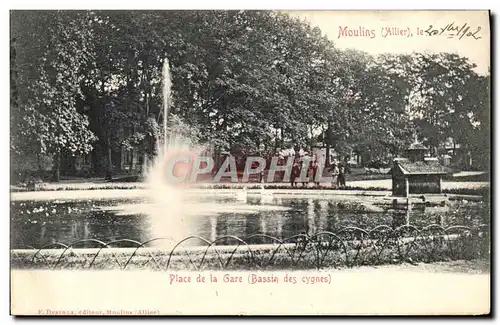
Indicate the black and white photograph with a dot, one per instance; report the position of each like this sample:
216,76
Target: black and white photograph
213,162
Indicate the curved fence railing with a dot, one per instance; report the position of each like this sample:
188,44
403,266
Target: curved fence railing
347,247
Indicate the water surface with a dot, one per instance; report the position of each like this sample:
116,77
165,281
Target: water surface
39,223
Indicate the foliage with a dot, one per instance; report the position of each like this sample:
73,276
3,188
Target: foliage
49,48
260,81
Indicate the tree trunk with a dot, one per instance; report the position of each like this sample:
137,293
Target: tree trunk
328,137
327,158
217,163
39,162
311,142
143,163
276,140
57,167
109,161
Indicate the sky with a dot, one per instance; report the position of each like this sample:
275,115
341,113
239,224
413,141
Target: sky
371,27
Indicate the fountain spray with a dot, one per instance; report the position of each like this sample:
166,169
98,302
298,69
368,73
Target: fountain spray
167,84
168,212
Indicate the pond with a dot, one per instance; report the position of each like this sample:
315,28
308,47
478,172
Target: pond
39,223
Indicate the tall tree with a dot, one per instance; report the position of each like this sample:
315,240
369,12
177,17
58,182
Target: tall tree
51,47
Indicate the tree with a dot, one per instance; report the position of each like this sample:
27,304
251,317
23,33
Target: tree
376,104
477,132
53,46
437,104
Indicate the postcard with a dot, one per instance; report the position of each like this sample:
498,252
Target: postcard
250,162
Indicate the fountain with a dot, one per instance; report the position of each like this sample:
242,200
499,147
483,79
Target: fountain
166,206
172,208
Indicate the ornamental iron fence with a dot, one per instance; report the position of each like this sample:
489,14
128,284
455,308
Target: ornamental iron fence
347,247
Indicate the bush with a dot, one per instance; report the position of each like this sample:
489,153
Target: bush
377,164
483,191
28,177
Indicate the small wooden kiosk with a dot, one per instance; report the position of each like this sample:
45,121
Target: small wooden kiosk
417,174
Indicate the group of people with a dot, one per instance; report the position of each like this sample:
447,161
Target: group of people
337,172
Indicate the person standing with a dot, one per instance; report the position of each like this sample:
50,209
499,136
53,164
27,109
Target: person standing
295,173
314,171
341,177
335,175
302,166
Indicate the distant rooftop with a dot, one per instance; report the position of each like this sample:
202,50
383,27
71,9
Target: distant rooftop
417,146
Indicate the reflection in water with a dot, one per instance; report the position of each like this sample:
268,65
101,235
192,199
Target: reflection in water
331,217
221,227
74,229
282,217
213,227
279,226
322,208
311,222
42,233
263,224
267,198
86,230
